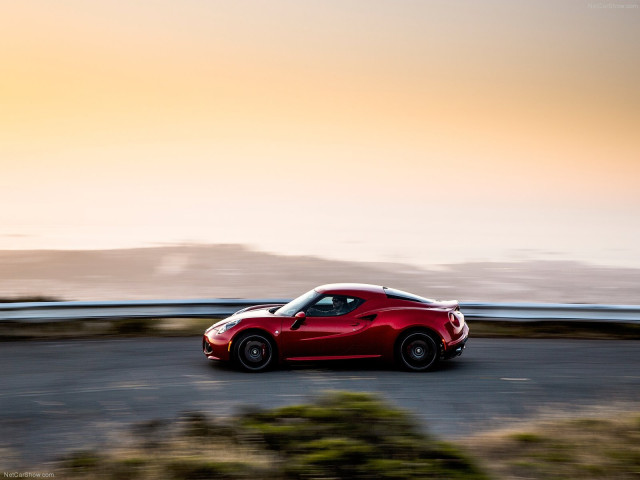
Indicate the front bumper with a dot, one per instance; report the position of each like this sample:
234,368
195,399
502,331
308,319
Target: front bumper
216,348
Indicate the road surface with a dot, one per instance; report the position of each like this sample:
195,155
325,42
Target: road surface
58,396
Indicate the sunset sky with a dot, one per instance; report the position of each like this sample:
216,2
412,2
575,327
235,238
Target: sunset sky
425,132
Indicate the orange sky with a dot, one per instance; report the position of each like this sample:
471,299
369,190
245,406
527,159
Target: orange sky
359,129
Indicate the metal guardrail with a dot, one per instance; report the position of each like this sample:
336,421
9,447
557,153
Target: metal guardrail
40,312
551,312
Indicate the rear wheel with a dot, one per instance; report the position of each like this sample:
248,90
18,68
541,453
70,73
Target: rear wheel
418,351
255,352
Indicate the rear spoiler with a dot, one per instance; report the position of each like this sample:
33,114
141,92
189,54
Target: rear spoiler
452,305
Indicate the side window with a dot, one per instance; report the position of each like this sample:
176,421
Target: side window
333,306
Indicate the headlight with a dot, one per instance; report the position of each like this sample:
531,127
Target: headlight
228,326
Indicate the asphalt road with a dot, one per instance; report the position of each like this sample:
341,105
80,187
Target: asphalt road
64,395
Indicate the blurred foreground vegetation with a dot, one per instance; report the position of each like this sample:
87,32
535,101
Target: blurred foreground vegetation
341,435
357,436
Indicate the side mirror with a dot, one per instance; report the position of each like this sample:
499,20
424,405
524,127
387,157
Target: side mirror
300,317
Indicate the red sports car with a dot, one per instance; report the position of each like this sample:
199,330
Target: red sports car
341,321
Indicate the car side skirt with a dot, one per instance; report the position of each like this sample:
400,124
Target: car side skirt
332,357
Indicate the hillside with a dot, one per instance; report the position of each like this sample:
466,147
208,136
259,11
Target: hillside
211,271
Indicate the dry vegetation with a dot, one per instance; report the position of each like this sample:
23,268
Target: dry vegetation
357,436
585,448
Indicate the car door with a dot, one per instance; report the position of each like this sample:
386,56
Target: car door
325,332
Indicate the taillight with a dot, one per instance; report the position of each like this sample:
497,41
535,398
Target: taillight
455,321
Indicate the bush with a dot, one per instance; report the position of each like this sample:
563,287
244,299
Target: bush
339,436
356,436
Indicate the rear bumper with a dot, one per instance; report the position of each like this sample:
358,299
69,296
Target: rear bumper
455,348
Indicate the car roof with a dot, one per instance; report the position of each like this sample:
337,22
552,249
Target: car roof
355,289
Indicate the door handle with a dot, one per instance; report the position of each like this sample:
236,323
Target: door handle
355,324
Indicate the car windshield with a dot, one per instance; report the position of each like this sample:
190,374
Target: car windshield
294,306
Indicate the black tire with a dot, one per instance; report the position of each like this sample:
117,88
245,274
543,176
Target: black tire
418,351
255,352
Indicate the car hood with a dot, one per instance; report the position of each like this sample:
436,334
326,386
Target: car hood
259,312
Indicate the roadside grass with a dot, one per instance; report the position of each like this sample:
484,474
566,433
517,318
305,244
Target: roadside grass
551,329
175,327
585,448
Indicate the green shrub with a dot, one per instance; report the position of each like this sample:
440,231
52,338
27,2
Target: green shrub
356,436
83,461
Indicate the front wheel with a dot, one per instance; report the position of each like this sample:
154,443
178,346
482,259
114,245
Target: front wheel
255,352
418,351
